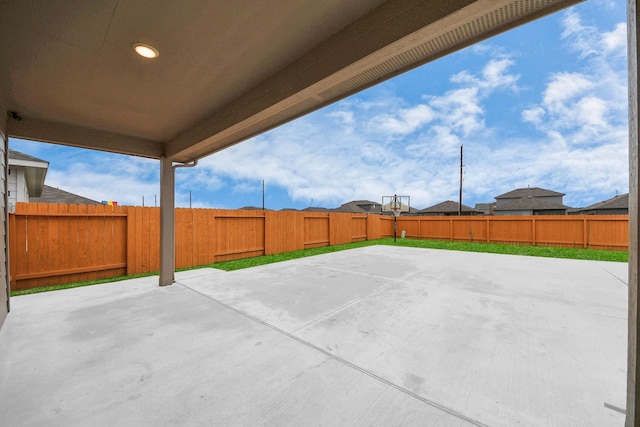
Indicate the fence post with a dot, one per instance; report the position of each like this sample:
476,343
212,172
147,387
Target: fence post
451,229
373,226
488,229
585,233
533,230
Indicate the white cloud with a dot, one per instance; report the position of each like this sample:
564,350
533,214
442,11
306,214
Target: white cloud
534,115
404,121
582,115
460,110
126,180
583,39
494,76
391,147
405,139
344,118
565,87
615,41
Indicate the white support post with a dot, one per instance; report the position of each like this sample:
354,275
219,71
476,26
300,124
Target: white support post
633,379
167,222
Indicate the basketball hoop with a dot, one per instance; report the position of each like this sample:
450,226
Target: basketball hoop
396,205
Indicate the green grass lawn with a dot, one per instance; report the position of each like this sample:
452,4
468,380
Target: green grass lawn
494,248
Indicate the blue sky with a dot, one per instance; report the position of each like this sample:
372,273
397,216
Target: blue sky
543,105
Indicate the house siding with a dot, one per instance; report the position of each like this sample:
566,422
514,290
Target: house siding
16,192
513,213
530,201
4,264
551,199
621,211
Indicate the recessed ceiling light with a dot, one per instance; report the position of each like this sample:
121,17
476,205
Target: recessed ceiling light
145,50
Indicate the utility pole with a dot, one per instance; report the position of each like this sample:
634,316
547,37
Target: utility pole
263,194
460,198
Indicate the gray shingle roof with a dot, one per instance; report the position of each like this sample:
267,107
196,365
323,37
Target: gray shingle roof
446,207
484,206
358,206
528,192
316,209
17,155
55,195
617,202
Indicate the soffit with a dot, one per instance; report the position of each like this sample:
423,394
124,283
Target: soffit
34,178
227,70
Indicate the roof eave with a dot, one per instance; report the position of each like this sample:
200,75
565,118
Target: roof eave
398,38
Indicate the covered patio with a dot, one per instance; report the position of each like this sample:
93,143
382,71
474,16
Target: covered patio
379,335
69,75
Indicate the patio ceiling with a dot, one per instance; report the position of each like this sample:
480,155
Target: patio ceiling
227,71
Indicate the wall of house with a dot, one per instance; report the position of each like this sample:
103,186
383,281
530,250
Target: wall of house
16,187
4,265
512,213
12,186
620,211
553,199
551,212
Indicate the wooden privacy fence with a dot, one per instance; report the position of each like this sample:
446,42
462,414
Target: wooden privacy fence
52,244
573,231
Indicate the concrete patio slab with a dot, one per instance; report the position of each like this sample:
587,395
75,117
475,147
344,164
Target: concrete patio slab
373,336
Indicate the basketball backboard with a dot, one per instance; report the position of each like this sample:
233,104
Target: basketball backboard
396,204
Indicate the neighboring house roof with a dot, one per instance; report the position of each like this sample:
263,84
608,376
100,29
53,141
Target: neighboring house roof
35,170
529,192
18,157
530,203
446,207
360,206
55,195
316,209
530,199
614,203
365,206
485,207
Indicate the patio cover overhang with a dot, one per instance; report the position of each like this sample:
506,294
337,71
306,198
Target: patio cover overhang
227,71
224,73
